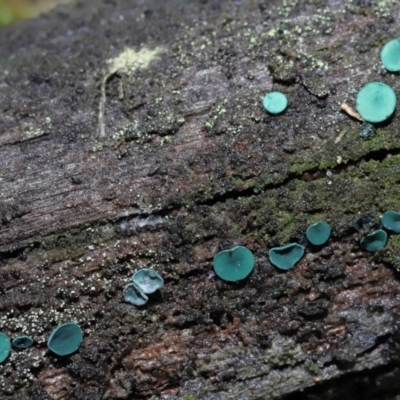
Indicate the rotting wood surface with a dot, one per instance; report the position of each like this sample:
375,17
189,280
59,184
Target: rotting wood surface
132,135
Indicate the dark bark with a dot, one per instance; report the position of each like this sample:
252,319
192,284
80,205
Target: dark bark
132,135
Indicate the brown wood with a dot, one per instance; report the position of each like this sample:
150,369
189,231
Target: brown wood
132,135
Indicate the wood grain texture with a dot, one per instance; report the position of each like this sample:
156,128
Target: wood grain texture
191,164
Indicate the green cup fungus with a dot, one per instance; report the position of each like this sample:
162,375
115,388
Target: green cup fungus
391,221
22,342
374,241
132,294
275,102
65,339
285,257
376,102
5,347
234,264
390,55
147,280
318,233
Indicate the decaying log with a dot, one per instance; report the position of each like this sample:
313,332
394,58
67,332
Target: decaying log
132,135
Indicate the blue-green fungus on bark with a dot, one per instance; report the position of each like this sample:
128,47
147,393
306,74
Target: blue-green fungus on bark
367,131
376,102
65,339
5,347
391,221
390,55
234,264
285,257
132,294
22,342
374,241
318,233
147,280
275,102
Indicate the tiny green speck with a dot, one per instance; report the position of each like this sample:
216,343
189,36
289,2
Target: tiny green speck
318,233
285,257
391,221
234,264
376,102
275,102
390,55
374,241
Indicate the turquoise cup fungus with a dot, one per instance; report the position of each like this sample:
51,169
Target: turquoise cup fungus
147,280
390,55
275,102
318,233
132,294
5,347
22,342
376,102
391,221
374,241
234,264
65,339
285,257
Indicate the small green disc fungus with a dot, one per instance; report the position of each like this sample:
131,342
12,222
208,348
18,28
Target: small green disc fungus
275,102
390,55
133,295
318,233
147,280
234,264
374,241
65,339
22,342
5,347
376,102
285,257
391,221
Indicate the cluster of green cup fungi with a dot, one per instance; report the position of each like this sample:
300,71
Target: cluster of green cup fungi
236,264
145,281
64,340
375,102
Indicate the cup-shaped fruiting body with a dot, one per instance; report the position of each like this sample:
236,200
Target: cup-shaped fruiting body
318,233
391,221
234,264
5,347
65,339
376,102
132,294
275,102
285,257
390,55
22,342
147,280
374,241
